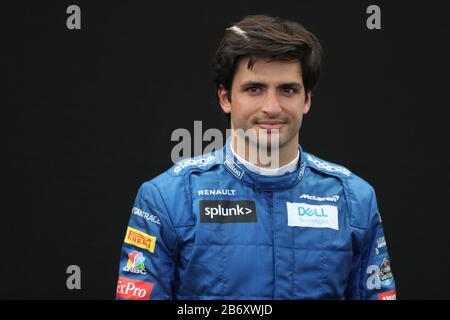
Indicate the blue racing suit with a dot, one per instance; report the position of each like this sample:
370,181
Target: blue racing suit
208,228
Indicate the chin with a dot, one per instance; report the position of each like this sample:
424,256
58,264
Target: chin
268,143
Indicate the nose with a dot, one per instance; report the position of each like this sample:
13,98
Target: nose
271,105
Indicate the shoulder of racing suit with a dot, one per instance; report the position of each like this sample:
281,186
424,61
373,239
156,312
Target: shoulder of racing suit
172,187
200,163
326,167
358,192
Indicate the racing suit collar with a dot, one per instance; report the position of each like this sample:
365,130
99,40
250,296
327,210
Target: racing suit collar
260,182
287,168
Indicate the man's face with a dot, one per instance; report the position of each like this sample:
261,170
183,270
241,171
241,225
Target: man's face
270,96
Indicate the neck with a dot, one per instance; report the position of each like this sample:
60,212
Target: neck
270,159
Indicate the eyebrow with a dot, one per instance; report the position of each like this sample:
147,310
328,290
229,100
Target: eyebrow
263,85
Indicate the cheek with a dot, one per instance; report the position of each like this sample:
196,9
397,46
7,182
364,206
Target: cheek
294,109
244,107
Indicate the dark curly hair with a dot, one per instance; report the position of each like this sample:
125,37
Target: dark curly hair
273,38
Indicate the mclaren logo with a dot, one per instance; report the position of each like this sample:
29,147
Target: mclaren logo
315,198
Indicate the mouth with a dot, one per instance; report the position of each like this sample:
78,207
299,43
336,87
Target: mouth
271,124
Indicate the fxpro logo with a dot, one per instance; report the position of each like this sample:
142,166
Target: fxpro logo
223,211
133,289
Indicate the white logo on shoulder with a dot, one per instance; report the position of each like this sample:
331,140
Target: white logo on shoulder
311,216
329,167
192,162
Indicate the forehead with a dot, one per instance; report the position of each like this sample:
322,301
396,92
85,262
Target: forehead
267,71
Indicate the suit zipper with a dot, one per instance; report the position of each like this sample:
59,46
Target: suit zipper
273,241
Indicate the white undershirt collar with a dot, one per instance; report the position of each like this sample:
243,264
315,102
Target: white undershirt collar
287,168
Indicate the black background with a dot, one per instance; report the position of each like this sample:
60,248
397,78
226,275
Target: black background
87,116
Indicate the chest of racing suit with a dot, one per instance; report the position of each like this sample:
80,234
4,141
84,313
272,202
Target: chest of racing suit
210,229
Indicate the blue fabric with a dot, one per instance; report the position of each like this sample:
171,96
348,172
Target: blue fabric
249,251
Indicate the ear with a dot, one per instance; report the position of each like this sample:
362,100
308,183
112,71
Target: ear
225,103
307,102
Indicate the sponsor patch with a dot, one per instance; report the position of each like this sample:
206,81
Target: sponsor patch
223,211
301,171
385,273
315,198
216,192
192,162
135,263
328,167
133,289
147,216
388,295
379,276
381,243
311,216
140,239
236,170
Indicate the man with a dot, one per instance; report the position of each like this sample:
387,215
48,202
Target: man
232,225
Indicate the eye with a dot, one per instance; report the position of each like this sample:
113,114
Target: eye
253,89
289,90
